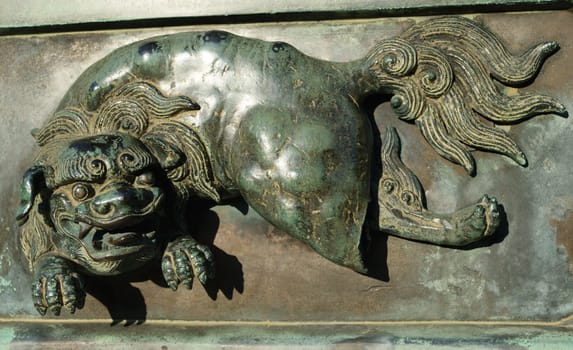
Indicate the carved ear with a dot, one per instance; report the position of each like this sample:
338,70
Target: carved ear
32,183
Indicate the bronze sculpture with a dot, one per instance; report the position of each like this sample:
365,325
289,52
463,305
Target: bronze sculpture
213,115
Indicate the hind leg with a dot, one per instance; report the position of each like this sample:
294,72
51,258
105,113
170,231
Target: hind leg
300,177
402,212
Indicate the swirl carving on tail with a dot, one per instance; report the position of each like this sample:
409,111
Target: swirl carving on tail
445,76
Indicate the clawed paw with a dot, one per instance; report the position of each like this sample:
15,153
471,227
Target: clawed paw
184,260
53,290
484,219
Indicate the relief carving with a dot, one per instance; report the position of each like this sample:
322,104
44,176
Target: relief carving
213,116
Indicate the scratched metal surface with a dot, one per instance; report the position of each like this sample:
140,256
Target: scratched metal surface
524,277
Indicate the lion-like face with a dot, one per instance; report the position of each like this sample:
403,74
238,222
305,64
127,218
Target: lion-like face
105,202
95,194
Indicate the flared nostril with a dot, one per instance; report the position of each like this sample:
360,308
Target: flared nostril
121,201
103,207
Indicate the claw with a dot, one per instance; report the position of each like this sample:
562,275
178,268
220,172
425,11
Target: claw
183,268
186,260
167,265
203,277
71,307
56,309
52,291
41,310
211,271
206,252
172,285
187,283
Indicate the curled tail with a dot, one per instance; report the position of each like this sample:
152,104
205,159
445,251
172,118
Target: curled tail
441,75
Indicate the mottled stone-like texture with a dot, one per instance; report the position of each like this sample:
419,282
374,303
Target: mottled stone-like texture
524,274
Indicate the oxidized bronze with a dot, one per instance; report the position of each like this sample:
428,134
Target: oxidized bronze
212,115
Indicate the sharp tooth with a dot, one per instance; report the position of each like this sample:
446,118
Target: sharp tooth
84,229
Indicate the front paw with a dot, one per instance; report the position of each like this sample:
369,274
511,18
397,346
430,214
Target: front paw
186,259
56,285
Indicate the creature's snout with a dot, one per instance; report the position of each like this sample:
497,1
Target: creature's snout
123,199
118,205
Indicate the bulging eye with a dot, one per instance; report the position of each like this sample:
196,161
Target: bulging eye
81,192
145,179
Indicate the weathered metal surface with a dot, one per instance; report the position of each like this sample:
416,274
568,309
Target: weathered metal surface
305,335
265,275
33,13
119,147
197,117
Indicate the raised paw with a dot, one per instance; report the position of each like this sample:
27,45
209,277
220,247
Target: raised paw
483,220
57,286
186,259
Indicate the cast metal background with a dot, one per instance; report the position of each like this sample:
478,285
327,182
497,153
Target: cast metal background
37,13
266,278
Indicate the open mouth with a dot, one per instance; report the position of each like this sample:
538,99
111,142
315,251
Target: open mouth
127,239
106,240
107,244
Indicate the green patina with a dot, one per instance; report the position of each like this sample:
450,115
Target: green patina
211,115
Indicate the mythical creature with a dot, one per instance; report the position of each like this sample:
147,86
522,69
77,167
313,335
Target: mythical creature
212,115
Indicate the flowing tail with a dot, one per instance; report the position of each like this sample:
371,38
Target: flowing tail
441,75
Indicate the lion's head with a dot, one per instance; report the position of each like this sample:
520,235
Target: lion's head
97,192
